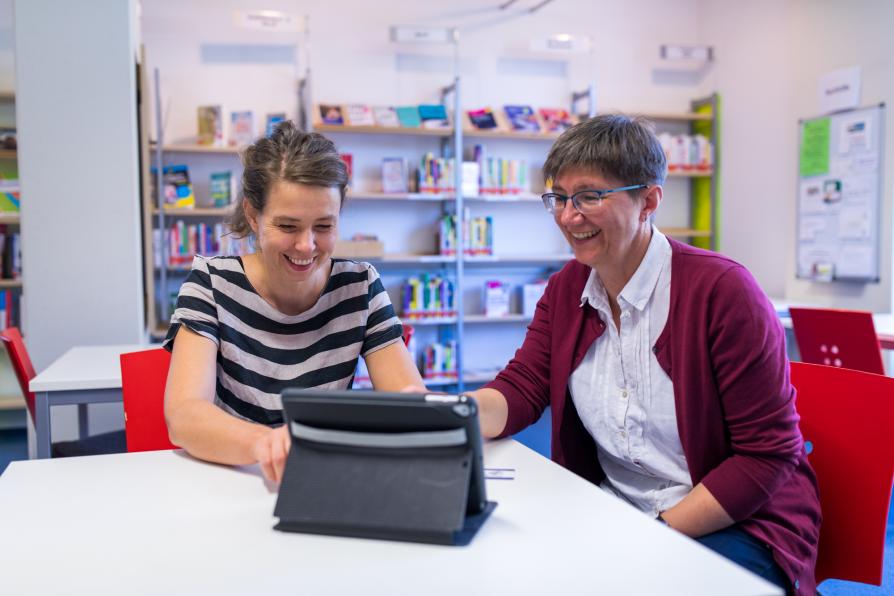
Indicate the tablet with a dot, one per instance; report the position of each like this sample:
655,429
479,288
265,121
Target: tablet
403,466
382,413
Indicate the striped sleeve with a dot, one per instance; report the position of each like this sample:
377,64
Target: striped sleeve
383,328
196,308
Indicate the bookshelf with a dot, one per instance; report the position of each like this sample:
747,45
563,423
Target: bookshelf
415,214
698,226
442,133
12,405
10,220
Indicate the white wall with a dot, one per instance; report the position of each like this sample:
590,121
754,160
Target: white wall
76,112
770,56
353,60
829,35
753,76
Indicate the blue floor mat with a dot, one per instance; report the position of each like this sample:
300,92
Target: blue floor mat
13,446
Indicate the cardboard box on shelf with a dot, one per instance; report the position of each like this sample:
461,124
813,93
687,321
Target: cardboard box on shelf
351,249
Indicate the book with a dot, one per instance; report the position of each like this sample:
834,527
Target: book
10,201
242,128
222,188
349,163
482,119
272,120
470,179
394,175
210,120
331,114
433,116
522,118
408,116
177,186
556,119
8,138
386,116
359,114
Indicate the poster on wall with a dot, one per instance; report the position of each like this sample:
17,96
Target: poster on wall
839,196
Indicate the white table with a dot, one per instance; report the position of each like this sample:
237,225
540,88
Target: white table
82,375
163,523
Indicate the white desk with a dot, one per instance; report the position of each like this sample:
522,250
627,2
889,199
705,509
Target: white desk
163,523
83,375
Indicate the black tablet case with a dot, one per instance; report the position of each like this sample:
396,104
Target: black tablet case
417,494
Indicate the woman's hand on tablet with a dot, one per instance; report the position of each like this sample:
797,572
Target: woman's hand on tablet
415,389
271,450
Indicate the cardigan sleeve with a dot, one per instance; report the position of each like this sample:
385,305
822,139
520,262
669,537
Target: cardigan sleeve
751,369
525,380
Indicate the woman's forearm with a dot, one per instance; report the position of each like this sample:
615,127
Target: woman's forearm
492,411
209,433
699,513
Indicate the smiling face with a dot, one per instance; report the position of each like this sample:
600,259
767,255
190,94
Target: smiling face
614,234
296,233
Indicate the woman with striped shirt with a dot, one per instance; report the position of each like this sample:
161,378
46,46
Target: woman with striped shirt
287,315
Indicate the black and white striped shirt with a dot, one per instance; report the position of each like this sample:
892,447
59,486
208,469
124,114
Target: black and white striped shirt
262,351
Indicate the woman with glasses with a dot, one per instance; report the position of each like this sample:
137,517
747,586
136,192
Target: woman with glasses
664,366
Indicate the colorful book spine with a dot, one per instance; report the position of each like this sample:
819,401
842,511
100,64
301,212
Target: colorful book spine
427,297
479,235
186,241
436,174
439,361
501,176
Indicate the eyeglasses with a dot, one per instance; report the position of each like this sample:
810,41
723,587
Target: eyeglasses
585,201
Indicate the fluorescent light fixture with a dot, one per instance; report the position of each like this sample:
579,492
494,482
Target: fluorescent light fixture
564,43
697,53
414,34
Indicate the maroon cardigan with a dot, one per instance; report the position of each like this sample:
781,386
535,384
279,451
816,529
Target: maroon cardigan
724,350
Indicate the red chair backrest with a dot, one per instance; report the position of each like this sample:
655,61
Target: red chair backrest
407,334
143,378
21,363
847,419
841,338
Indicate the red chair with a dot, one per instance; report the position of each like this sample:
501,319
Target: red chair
21,364
842,338
847,419
99,444
143,378
407,334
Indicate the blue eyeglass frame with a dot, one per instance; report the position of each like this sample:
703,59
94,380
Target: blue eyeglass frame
550,197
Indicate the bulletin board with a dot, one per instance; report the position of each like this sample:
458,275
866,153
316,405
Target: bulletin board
839,195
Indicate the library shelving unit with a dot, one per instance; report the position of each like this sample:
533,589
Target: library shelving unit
699,228
12,407
161,279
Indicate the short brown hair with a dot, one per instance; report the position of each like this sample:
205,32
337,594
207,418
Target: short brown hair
288,155
621,147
